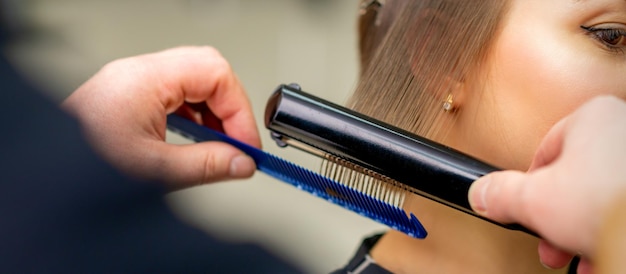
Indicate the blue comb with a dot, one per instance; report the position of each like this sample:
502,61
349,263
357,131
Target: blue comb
307,180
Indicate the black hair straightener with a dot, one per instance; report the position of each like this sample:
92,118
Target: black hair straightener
368,166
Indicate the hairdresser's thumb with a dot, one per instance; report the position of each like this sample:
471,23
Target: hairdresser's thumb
497,196
194,164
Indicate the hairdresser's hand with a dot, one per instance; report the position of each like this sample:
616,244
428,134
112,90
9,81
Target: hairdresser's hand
123,109
578,172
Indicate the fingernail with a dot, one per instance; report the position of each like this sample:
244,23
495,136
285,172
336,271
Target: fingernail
242,166
545,265
477,194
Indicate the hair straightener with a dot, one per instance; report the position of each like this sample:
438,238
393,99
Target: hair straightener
368,166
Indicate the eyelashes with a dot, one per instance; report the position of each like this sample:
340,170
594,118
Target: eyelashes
612,39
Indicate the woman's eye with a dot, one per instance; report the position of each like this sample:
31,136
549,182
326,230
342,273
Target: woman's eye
612,38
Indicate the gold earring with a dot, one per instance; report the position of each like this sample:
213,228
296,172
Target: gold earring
447,105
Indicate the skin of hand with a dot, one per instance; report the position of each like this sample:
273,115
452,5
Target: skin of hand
123,109
577,173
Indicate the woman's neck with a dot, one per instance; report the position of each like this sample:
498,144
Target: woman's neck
457,243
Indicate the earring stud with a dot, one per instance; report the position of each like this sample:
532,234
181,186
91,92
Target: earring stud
447,105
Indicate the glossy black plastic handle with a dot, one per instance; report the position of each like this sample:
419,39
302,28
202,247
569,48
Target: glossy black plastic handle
431,169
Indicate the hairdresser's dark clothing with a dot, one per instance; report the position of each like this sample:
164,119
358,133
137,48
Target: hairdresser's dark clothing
362,263
63,210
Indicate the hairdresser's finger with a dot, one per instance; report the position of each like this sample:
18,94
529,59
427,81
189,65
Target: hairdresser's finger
552,257
550,147
200,114
585,266
194,164
497,195
201,74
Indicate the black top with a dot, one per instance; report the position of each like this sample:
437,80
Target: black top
64,210
362,263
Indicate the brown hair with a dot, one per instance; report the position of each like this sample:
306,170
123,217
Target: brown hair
414,51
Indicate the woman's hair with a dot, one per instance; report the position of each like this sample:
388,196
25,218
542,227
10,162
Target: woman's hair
415,52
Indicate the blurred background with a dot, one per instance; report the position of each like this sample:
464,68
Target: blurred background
310,42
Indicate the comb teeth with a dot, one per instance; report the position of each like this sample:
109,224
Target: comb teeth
364,180
340,194
346,196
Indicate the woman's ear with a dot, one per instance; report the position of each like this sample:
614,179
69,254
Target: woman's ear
437,58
